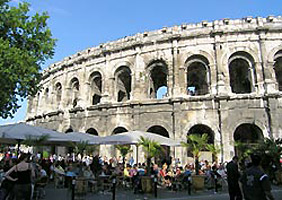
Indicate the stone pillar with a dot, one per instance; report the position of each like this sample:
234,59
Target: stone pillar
223,87
139,87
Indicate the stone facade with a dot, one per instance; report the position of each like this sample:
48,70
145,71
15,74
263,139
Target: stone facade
223,78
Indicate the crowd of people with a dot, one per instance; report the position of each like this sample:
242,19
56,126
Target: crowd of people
33,170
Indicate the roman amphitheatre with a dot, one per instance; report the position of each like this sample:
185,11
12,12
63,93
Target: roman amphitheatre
222,77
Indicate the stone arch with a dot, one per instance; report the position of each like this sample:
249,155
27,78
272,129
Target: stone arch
161,123
58,93
210,59
197,75
74,91
166,150
273,52
158,76
247,134
123,83
251,51
159,130
96,85
119,129
120,64
242,74
232,126
197,121
92,131
201,129
278,68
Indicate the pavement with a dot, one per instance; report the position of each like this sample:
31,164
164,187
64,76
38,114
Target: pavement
121,194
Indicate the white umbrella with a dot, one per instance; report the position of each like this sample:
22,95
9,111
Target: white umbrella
13,133
79,137
133,137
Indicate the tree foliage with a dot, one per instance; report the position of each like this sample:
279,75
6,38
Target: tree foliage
83,148
151,147
35,141
196,143
124,149
25,44
270,151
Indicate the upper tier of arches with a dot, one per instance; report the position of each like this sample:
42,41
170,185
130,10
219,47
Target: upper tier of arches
201,61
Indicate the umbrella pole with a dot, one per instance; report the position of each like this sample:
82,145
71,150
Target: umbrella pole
137,154
18,149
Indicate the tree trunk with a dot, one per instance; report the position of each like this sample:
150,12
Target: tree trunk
197,165
148,166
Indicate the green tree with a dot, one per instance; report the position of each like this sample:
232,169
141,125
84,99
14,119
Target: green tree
196,143
36,142
151,148
215,150
25,44
124,150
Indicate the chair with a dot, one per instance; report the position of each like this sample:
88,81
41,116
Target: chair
59,180
104,183
81,188
127,182
93,185
177,183
39,188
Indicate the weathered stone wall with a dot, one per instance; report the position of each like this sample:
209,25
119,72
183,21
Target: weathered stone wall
258,41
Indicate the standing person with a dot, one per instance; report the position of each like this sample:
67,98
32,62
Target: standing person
256,184
25,173
233,179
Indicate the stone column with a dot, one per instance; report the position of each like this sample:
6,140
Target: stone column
223,87
176,89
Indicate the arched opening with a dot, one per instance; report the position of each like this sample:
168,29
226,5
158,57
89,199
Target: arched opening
123,83
197,75
58,91
119,130
202,129
241,73
74,92
158,77
278,69
92,131
246,136
165,154
69,130
96,87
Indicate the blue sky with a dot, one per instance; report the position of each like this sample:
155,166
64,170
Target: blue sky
86,23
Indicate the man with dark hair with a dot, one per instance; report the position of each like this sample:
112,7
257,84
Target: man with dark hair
233,179
256,184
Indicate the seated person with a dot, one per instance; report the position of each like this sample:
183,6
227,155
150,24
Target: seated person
163,171
133,171
141,171
87,173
